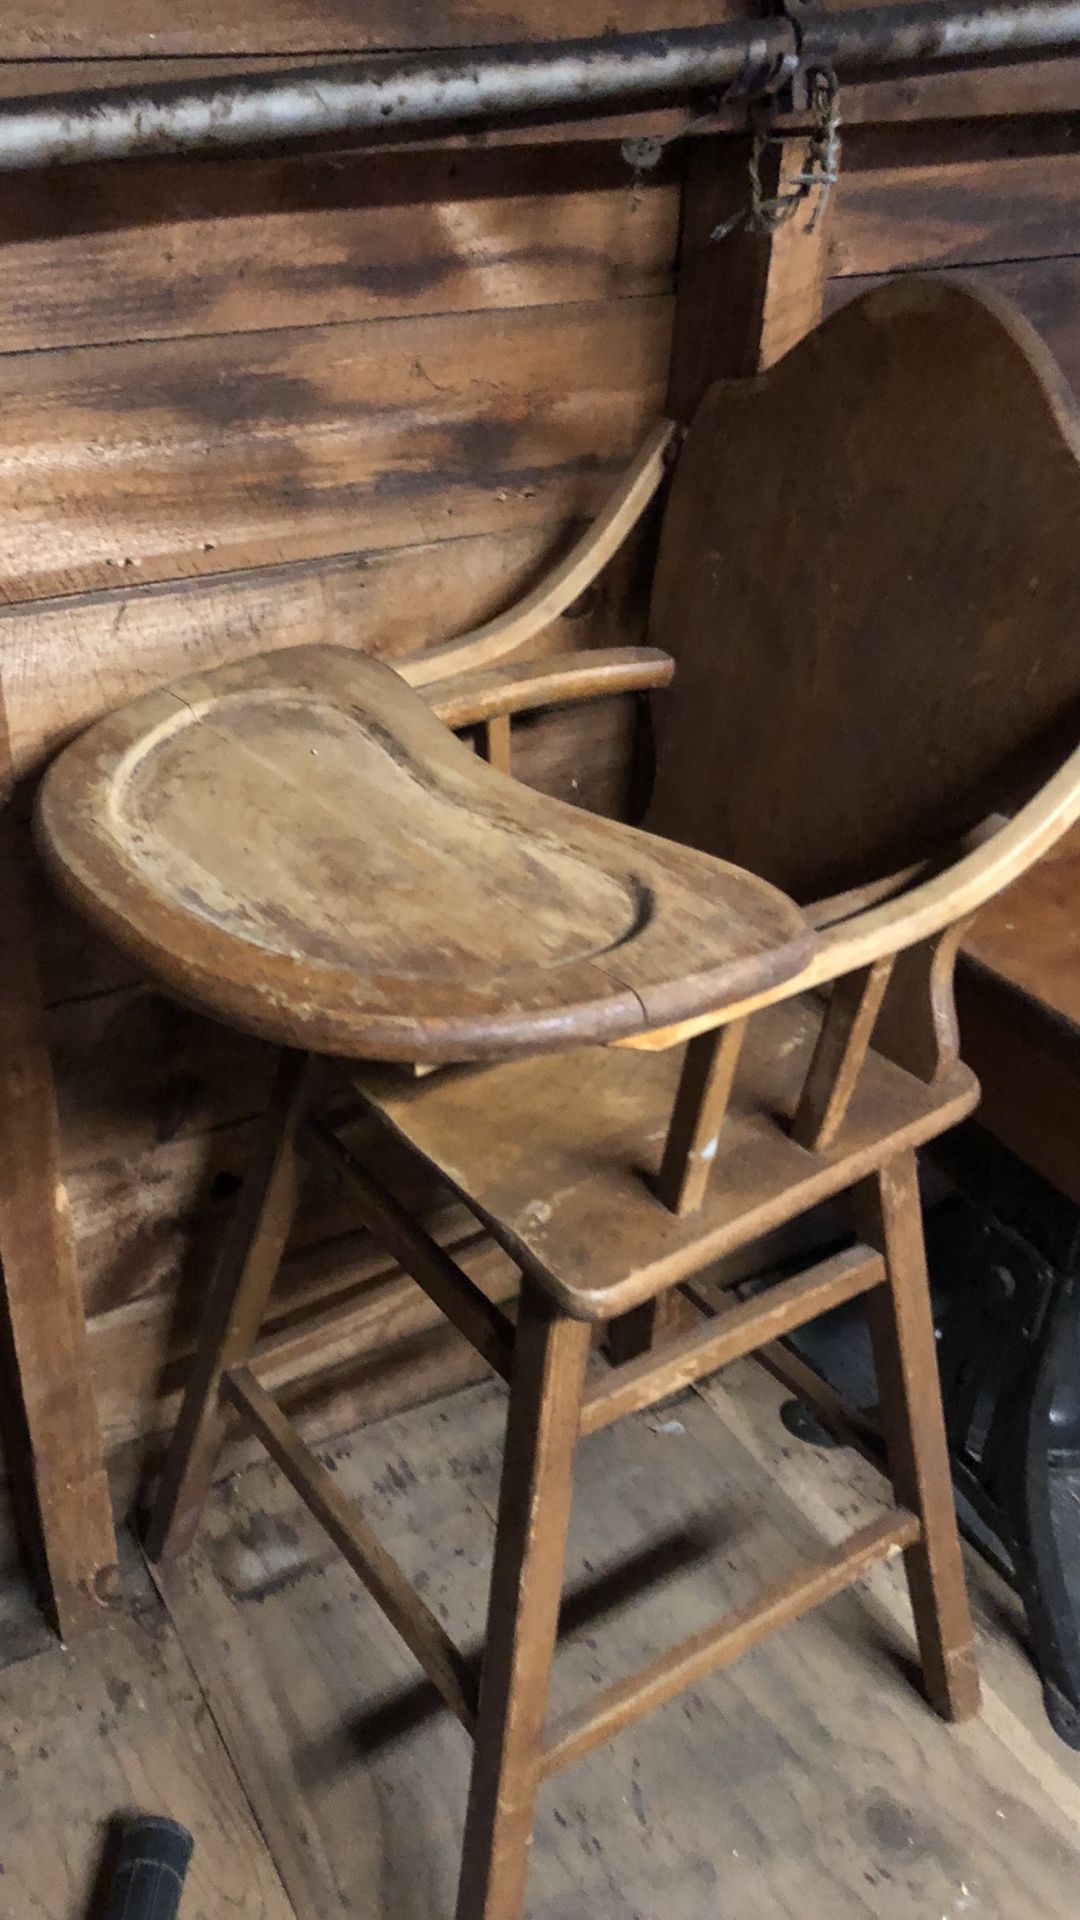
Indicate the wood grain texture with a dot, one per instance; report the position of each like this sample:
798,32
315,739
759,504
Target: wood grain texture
889,1212
234,1309
1029,937
941,197
553,1156
1047,86
65,662
52,1421
167,248
399,1352
736,1331
1019,1007
1027,1067
123,1727
743,299
918,545
120,27
524,1603
1046,292
358,919
181,457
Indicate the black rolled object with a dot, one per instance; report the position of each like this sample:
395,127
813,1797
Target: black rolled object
151,1864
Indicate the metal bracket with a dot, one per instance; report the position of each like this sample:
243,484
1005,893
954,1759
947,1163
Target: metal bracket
801,13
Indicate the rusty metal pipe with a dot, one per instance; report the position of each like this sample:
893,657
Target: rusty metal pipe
455,89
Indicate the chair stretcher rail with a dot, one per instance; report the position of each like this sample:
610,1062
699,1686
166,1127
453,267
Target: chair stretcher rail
717,1646
442,1661
483,1324
735,1332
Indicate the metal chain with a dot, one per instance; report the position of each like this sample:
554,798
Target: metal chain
754,81
765,213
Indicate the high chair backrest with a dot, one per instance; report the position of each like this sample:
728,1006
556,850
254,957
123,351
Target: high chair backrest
869,577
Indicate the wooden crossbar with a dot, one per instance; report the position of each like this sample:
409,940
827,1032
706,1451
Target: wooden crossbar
717,1646
735,1332
483,1324
443,1662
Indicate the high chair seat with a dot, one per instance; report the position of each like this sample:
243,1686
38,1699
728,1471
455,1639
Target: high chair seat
558,1155
296,843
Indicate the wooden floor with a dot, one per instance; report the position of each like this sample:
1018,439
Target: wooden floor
271,1710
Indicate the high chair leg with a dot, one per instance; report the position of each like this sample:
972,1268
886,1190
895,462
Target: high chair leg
909,1389
523,1610
235,1306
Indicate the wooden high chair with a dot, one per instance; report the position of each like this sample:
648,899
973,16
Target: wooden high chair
869,581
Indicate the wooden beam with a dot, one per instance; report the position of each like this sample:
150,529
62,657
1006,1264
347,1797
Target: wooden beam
734,1332
742,300
833,1073
441,1660
236,1303
717,1646
484,1325
71,1532
495,741
705,1084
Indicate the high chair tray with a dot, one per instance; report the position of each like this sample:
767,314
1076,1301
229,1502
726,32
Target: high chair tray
296,844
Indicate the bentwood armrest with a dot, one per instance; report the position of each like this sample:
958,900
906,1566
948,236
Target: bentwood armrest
509,632
520,686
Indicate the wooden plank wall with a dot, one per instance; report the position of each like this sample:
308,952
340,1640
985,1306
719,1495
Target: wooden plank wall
366,396
263,401
997,202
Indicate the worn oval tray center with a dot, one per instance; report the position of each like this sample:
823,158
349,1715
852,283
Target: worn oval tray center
281,820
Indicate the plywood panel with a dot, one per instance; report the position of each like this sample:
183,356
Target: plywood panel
175,458
908,197
171,247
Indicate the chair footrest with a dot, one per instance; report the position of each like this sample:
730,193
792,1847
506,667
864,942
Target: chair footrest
735,1332
717,1646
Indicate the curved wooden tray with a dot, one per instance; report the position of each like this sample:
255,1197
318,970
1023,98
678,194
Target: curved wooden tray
296,844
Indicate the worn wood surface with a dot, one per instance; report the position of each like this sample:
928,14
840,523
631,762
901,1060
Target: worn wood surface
524,1604
265,447
65,662
235,1306
51,1426
896,538
552,1153
170,248
117,27
358,1778
1019,1006
1044,290
144,1203
744,298
1029,937
408,903
889,1212
931,197
701,1103
120,1727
